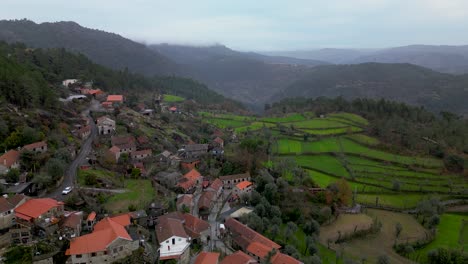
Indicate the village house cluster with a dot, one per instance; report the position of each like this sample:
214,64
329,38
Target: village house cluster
99,237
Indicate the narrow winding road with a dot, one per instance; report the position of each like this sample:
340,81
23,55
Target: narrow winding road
86,147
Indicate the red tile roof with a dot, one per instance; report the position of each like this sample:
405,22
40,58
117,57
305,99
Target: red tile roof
35,207
73,220
281,258
248,234
259,249
189,180
115,98
9,158
35,145
206,200
173,108
169,227
9,203
235,176
207,258
185,199
91,216
114,149
216,185
243,185
218,140
195,225
105,232
238,257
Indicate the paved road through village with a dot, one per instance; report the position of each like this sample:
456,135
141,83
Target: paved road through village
86,147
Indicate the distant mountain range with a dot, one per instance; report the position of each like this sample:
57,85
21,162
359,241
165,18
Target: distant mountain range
447,59
256,79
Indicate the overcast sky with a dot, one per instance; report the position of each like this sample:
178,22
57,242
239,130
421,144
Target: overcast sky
262,25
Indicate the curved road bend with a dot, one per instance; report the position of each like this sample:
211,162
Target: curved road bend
70,173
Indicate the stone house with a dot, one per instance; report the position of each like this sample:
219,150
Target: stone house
71,224
242,188
8,204
39,214
84,132
194,150
174,243
40,147
105,125
229,181
109,242
9,160
141,154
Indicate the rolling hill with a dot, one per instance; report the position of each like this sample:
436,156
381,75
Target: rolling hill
400,82
108,49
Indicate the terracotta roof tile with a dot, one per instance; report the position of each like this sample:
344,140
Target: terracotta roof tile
107,231
168,227
35,145
35,207
115,98
206,199
9,158
249,234
207,258
142,152
281,258
238,257
243,185
216,185
91,216
195,225
259,249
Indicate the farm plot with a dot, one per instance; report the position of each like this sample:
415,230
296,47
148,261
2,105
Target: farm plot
364,139
400,201
224,123
317,123
253,127
332,131
172,98
324,179
350,117
344,145
228,116
288,118
371,247
449,236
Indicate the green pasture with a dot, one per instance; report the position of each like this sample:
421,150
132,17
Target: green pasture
172,98
364,139
449,234
351,117
288,118
224,123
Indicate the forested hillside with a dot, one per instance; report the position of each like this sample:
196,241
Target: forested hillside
399,82
30,75
108,49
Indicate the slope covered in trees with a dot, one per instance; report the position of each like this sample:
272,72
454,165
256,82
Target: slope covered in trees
31,70
399,82
108,49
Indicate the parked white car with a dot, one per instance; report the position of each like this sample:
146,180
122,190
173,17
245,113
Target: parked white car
67,190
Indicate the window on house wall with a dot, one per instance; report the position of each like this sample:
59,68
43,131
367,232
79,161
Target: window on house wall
78,256
93,254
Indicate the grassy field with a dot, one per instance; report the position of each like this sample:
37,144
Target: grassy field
317,123
139,193
345,145
350,117
325,163
228,116
401,201
252,127
448,236
364,139
288,118
332,131
172,98
225,123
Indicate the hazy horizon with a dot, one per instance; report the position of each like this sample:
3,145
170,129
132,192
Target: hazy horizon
262,26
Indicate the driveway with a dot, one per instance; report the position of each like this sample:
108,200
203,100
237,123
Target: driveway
70,173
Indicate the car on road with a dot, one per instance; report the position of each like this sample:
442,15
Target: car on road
67,190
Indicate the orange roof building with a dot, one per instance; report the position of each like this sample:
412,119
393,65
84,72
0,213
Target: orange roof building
281,258
243,185
238,257
115,98
109,241
207,258
39,208
10,159
190,180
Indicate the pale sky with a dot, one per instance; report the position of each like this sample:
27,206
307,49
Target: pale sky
261,25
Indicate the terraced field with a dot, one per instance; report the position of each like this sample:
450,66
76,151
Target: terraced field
336,147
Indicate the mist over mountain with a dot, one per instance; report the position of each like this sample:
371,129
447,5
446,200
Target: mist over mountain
447,59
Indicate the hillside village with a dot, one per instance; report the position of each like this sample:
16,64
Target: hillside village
133,190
